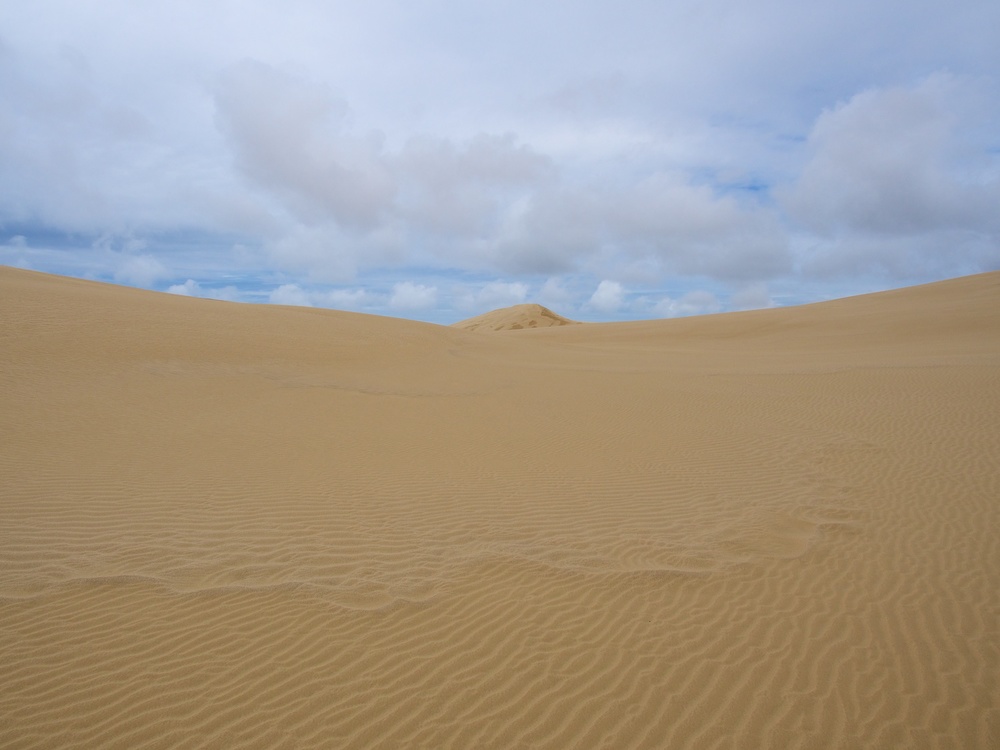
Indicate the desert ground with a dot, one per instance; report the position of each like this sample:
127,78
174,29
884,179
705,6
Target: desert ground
231,525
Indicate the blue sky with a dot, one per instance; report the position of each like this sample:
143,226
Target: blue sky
437,159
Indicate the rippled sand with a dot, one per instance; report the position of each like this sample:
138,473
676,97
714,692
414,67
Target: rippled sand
227,525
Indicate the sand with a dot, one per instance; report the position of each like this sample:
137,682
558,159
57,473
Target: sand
228,525
515,318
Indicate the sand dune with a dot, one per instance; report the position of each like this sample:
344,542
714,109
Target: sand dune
227,525
515,318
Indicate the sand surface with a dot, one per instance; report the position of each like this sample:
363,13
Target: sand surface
514,318
227,525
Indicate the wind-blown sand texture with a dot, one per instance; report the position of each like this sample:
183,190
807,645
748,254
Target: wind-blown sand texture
514,318
227,525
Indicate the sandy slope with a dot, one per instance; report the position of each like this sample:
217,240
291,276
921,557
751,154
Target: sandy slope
226,525
514,318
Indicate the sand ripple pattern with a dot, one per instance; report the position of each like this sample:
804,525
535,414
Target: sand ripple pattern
277,528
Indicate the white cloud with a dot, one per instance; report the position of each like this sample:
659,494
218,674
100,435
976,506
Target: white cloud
192,288
492,295
189,288
348,299
320,253
140,270
608,297
409,296
751,297
901,181
553,294
638,159
697,302
290,294
225,293
339,299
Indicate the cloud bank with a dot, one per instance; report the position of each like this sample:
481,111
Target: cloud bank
612,169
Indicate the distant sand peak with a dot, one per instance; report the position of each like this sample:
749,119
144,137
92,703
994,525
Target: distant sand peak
515,318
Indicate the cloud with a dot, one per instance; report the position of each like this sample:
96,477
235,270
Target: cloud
338,299
189,288
463,188
901,181
697,302
348,299
751,297
492,295
551,231
797,152
690,229
290,294
15,252
661,222
491,201
84,151
926,256
192,288
554,294
140,270
290,138
608,297
321,253
409,296
891,161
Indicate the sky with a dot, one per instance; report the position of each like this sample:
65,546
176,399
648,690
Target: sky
436,159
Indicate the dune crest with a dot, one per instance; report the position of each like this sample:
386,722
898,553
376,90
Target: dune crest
228,525
515,318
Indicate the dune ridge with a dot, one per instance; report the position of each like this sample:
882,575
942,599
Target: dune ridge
234,525
515,318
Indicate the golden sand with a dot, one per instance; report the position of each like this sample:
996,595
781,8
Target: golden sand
227,525
514,318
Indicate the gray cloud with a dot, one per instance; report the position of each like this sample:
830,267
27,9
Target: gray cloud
290,138
901,181
897,160
751,297
662,222
463,188
463,141
348,195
